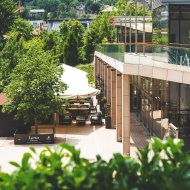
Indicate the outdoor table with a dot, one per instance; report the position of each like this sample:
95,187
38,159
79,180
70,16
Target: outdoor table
78,111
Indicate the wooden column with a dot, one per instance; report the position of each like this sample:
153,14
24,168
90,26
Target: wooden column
118,107
105,79
126,114
113,98
108,84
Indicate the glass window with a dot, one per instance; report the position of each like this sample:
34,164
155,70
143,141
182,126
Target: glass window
185,12
174,31
174,12
184,98
185,32
174,96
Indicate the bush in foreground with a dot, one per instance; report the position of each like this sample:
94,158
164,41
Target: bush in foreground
161,165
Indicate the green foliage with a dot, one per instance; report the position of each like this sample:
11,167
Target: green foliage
161,165
89,68
124,7
72,30
99,29
71,50
53,44
12,51
23,27
159,38
33,84
7,16
73,26
107,109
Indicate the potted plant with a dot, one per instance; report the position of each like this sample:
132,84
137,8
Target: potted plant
104,100
107,116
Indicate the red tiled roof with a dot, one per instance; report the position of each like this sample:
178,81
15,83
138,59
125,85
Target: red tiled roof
2,99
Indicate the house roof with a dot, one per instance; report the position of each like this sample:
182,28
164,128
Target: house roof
2,99
37,11
109,9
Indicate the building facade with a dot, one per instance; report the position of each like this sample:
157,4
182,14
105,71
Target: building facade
152,81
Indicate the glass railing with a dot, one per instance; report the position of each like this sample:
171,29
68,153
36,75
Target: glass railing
148,54
115,51
151,54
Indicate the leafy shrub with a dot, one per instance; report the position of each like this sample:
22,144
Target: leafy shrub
161,165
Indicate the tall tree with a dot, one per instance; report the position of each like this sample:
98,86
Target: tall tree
77,29
33,84
12,51
7,16
99,29
73,26
23,27
71,50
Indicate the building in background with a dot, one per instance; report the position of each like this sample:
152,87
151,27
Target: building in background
150,80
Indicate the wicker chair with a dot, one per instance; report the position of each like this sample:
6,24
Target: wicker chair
96,119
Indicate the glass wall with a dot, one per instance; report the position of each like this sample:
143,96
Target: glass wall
179,24
149,101
160,26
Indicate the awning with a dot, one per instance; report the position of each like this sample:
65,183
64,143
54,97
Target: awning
78,84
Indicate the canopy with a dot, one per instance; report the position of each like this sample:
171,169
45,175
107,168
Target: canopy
77,82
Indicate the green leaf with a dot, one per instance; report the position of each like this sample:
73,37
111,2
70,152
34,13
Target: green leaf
33,149
25,160
15,164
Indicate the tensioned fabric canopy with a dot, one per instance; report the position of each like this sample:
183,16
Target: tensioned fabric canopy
77,82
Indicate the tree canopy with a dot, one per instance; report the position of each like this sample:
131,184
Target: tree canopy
34,83
7,16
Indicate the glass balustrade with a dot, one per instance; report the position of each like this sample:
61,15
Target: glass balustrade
146,54
115,51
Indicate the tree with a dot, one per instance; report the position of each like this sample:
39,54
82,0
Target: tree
77,29
23,27
73,26
94,8
124,7
53,43
7,16
90,39
33,84
99,29
71,50
13,50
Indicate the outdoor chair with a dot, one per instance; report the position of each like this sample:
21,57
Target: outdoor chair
83,112
81,117
96,119
92,109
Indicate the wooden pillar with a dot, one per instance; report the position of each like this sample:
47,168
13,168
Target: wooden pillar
118,107
95,68
108,84
105,79
126,114
113,98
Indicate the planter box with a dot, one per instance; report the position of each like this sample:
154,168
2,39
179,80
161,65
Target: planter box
108,122
26,138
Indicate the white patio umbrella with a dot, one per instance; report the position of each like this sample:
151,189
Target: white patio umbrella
77,82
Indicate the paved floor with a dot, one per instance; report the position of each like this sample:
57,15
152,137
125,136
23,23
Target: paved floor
90,139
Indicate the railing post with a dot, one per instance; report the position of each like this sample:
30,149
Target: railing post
136,26
143,27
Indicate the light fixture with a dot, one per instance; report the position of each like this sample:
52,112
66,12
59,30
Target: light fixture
119,74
